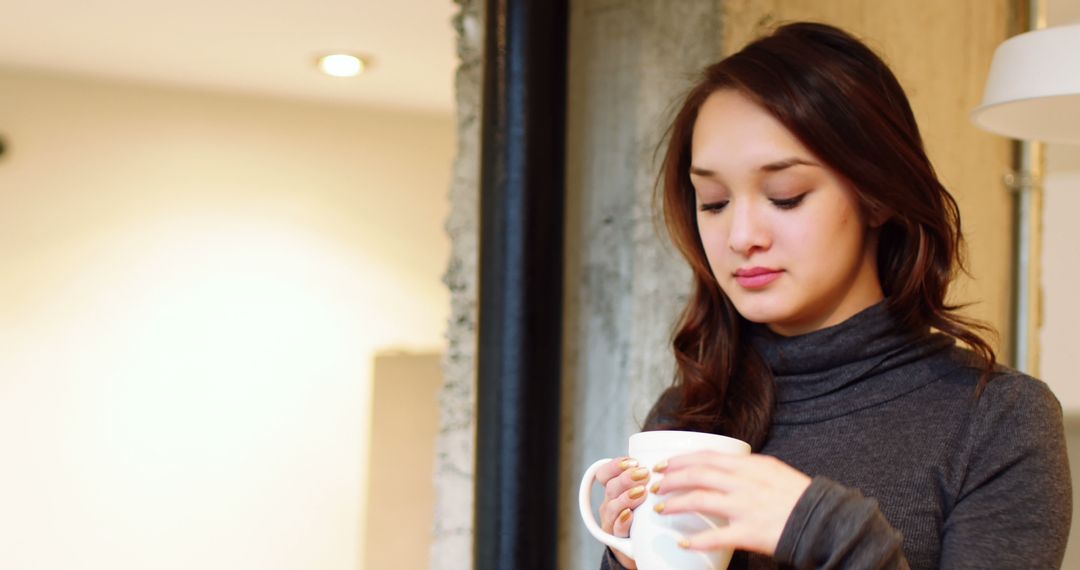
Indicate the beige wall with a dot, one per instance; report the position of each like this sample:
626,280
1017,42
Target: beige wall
1061,254
401,490
1060,274
192,289
941,52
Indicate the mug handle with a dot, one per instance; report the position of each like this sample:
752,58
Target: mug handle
585,505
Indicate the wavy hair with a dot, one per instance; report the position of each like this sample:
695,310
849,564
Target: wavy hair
843,103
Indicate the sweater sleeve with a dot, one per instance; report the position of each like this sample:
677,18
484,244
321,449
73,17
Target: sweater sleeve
1014,506
609,561
834,527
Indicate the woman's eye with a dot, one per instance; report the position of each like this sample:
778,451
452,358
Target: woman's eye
714,206
789,203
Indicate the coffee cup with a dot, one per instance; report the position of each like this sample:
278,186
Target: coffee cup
654,537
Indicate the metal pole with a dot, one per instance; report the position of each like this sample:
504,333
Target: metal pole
1027,185
521,272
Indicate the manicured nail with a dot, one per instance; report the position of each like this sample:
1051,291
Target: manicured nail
637,492
640,474
627,463
655,488
684,543
625,515
659,507
660,467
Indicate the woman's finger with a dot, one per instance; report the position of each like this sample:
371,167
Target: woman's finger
621,528
756,497
614,468
613,512
626,480
698,477
704,502
622,475
713,539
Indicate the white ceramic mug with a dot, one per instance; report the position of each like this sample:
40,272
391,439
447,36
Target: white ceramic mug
654,537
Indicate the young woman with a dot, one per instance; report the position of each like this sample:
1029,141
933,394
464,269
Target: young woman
822,245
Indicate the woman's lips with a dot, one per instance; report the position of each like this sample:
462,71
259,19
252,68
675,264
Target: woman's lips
757,278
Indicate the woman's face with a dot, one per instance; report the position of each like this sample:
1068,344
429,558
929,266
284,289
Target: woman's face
783,234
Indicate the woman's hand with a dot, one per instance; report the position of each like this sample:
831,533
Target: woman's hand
755,493
624,490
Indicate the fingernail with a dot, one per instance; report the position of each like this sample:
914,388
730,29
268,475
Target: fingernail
660,467
655,488
637,492
625,515
684,543
639,474
627,463
659,507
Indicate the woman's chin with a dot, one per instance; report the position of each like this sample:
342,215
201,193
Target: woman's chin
763,312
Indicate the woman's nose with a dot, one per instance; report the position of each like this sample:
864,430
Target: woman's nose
749,231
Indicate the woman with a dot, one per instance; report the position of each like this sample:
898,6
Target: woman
822,245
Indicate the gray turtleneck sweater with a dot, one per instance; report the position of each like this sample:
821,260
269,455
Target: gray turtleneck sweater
909,468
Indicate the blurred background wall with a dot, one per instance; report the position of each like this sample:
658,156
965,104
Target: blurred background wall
1059,314
193,287
404,425
1061,252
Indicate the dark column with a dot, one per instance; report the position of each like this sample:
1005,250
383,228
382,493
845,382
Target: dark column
521,269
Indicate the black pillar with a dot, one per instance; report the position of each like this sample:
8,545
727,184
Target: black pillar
521,272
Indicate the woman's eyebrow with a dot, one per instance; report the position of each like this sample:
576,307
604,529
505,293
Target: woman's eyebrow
786,163
771,167
703,172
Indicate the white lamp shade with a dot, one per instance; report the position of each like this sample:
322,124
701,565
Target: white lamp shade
1033,91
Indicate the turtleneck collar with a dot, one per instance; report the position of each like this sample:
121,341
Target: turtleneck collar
863,361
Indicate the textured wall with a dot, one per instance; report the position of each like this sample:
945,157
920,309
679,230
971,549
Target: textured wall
630,62
452,549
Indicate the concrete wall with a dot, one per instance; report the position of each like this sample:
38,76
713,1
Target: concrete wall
192,289
625,284
452,549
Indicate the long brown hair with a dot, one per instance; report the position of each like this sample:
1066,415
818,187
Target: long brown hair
844,104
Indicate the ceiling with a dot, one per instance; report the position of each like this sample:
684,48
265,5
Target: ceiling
264,47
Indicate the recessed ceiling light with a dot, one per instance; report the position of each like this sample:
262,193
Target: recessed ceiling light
341,65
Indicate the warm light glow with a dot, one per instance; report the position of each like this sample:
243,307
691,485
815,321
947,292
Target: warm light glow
341,65
213,365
